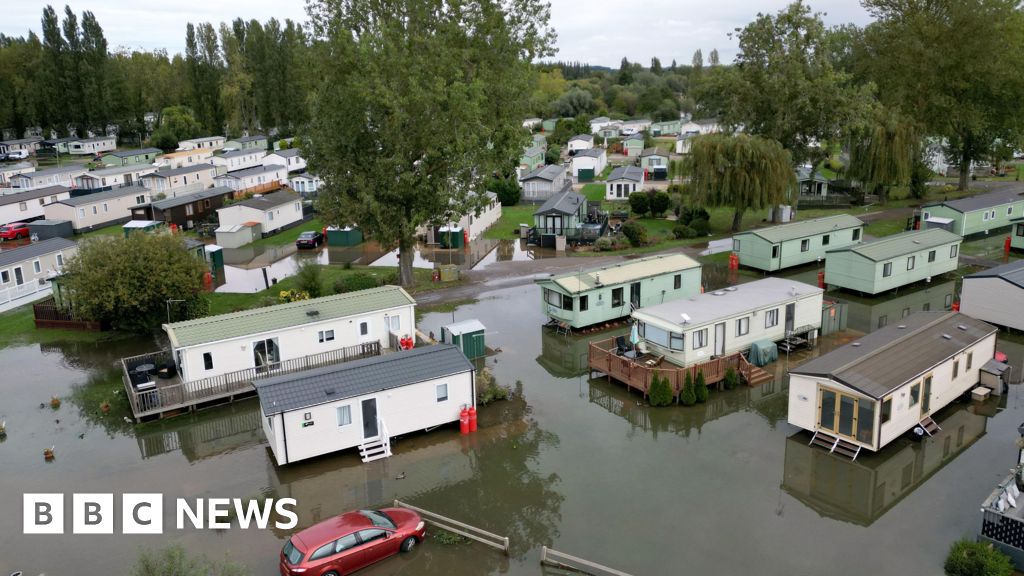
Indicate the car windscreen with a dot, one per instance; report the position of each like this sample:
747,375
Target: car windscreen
379,519
292,554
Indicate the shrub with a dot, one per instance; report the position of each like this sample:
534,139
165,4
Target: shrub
604,244
660,393
507,189
660,202
683,231
639,203
174,560
700,226
353,282
309,279
732,379
687,215
687,396
700,388
293,295
636,232
967,558
675,189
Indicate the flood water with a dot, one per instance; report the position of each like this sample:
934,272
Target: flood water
577,464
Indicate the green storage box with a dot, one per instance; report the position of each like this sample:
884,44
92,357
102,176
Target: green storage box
468,335
347,236
451,237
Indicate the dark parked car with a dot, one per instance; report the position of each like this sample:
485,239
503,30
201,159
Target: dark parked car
351,541
309,239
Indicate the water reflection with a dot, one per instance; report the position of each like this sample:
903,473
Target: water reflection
205,434
251,269
862,491
869,314
565,356
477,255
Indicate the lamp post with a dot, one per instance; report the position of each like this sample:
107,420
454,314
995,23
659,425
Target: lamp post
174,300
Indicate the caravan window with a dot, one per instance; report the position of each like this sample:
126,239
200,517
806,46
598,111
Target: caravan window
584,303
824,240
887,270
325,336
915,394
771,318
735,245
775,251
743,326
953,251
442,392
910,262
856,234
805,245
654,334
396,323
677,282
616,297
700,339
931,256
344,415
886,410
675,341
207,361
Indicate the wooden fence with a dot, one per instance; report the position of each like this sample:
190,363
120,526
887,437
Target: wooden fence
48,315
456,527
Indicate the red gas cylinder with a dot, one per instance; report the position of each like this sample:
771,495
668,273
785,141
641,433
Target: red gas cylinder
465,238
821,279
324,232
1006,245
207,279
472,418
174,228
1000,357
464,421
956,306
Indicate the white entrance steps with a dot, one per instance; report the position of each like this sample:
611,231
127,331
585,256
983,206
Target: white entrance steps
376,447
835,445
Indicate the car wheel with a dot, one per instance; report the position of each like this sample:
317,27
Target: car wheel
408,544
331,574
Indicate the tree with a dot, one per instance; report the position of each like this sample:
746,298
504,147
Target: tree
955,73
553,155
128,282
742,172
176,123
783,65
882,153
688,397
656,65
625,76
635,231
700,388
660,393
660,202
698,61
573,103
639,203
309,279
713,57
506,188
969,558
396,74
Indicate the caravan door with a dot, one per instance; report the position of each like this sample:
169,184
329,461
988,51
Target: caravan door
720,339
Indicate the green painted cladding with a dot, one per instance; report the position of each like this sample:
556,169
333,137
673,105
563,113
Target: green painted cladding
654,161
653,290
757,252
633,147
532,161
1017,236
977,221
143,158
853,271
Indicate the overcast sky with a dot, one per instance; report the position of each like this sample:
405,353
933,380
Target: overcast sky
593,31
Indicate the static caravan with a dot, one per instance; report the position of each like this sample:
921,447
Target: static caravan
28,269
254,142
797,243
31,144
696,329
588,164
623,181
89,146
580,142
290,158
254,179
652,159
596,295
548,124
185,210
174,181
113,177
182,158
64,176
204,143
600,122
633,145
364,402
28,205
9,171
564,215
1017,234
979,214
98,209
129,157
684,141
262,338
304,183
531,123
893,261
545,182
474,223
871,391
666,128
274,212
233,160
532,159
996,295
540,141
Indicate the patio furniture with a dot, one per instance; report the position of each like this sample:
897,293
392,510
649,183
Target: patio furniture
621,345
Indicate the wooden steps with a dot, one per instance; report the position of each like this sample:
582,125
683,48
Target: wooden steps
929,426
835,445
756,376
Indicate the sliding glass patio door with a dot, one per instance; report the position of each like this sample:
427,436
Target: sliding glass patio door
846,415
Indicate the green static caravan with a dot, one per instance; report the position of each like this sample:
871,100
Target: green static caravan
549,124
778,247
597,295
540,141
893,261
633,146
979,214
129,157
654,162
532,158
1017,234
666,128
254,142
468,335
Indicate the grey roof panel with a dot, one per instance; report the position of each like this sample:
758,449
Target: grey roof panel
805,228
254,170
633,173
887,358
125,153
34,250
268,201
983,201
178,171
253,138
6,199
567,202
286,152
591,152
549,172
889,247
653,152
189,198
1012,273
359,377
234,153
105,195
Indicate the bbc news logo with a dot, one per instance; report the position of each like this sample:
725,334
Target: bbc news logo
144,513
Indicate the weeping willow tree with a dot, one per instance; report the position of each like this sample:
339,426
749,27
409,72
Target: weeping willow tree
741,172
883,153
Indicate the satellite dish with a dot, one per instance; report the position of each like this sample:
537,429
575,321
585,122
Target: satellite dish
686,318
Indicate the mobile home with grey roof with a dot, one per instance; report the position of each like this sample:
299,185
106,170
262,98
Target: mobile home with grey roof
996,295
893,261
797,243
979,214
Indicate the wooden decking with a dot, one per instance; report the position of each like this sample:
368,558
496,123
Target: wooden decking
162,397
637,374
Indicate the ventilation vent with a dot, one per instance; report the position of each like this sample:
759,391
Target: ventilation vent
855,344
946,337
961,327
312,313
329,392
902,326
730,289
718,293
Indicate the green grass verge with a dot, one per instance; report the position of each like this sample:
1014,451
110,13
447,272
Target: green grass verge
880,228
511,217
594,191
18,327
289,236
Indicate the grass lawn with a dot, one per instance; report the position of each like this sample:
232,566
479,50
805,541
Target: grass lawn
511,217
18,327
224,302
115,230
880,228
594,191
289,236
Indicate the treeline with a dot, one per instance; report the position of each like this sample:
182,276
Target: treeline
243,75
658,91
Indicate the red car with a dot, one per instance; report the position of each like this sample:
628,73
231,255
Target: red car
351,541
14,231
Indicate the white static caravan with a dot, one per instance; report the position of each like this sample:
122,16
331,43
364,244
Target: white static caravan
275,211
239,159
871,391
364,402
996,295
28,205
205,143
64,176
713,324
98,209
225,343
290,158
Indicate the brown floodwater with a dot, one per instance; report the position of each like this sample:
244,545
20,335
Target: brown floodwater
574,463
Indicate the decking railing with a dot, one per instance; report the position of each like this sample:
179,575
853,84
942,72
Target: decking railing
48,315
175,395
636,374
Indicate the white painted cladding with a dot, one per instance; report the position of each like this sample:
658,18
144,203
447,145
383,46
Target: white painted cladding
277,217
993,300
28,209
405,409
236,353
99,213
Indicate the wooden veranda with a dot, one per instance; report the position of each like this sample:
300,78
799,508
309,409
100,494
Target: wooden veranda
637,372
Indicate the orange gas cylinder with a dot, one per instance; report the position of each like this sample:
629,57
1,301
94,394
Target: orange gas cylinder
207,279
464,421
956,306
472,418
465,238
821,279
174,227
1006,245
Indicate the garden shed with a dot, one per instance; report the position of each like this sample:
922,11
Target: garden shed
147,226
45,229
347,236
468,336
